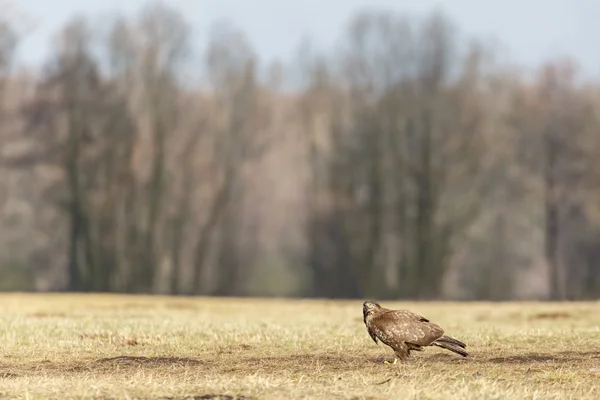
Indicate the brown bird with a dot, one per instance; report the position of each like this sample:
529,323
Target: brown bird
404,331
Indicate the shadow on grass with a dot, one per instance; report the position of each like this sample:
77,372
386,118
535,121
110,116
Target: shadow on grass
336,363
564,356
341,362
211,397
293,362
157,361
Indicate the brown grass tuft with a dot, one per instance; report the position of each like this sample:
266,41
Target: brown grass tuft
552,315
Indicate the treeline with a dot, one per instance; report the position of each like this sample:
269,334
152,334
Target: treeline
409,162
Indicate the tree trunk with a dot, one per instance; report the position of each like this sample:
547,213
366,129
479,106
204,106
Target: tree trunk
552,223
205,235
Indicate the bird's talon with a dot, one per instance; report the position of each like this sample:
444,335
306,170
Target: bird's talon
391,362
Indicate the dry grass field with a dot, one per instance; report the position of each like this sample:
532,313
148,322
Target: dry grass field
125,347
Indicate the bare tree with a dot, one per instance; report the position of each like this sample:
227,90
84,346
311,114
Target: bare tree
238,137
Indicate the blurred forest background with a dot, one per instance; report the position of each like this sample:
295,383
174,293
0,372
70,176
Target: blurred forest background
407,162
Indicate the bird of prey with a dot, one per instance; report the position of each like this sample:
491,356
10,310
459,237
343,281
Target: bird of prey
404,331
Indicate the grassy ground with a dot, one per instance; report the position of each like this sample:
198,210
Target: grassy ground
100,346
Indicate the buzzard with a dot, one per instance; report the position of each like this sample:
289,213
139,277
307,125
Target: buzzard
404,331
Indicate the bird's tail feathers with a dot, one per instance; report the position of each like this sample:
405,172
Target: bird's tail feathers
454,348
452,341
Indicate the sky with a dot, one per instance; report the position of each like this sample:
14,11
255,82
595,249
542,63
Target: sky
532,30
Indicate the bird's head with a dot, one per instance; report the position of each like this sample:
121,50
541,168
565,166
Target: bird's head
370,307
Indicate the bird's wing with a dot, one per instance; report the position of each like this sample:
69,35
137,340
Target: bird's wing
406,315
409,327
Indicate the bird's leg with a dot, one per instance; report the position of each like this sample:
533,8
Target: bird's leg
402,353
